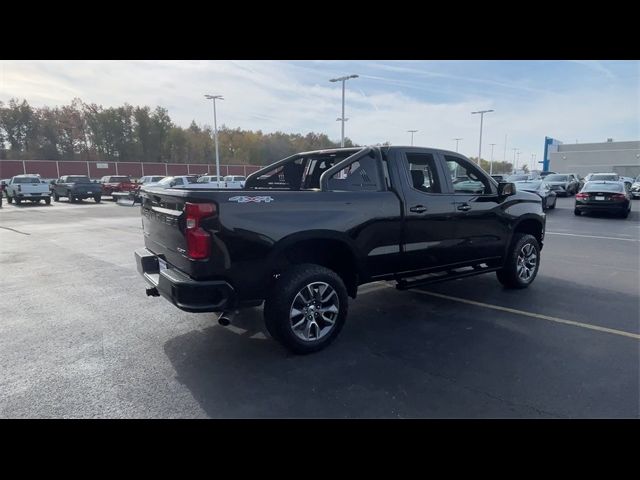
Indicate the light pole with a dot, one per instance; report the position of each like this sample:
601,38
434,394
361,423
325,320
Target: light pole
481,112
412,132
457,140
533,161
491,164
343,79
515,165
518,154
215,133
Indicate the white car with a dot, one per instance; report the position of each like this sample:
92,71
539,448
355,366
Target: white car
635,188
150,179
180,181
28,187
235,182
598,177
211,181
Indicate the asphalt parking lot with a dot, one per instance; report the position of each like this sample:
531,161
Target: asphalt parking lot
79,338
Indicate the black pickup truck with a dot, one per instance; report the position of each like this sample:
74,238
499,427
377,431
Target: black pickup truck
307,230
75,188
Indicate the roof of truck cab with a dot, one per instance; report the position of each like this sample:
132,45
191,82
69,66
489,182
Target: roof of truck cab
329,151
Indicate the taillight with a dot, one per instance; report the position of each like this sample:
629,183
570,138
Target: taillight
582,196
618,197
198,239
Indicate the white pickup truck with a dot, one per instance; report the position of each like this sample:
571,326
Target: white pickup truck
28,187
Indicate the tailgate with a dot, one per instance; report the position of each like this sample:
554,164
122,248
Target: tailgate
34,188
91,188
163,223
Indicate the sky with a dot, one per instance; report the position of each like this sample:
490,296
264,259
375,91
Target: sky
583,101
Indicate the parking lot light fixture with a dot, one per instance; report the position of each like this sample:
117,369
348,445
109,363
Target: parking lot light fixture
457,140
481,112
215,133
491,163
343,119
412,132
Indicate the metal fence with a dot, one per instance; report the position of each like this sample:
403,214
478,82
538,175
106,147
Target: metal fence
96,170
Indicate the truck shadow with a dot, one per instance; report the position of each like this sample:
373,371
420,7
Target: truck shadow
404,354
30,204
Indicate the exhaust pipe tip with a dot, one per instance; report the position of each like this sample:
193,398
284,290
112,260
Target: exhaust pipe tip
224,321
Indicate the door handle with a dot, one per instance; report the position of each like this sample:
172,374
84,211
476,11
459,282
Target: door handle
464,207
418,209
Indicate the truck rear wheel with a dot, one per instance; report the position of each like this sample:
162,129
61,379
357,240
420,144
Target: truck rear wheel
9,199
97,198
306,308
47,200
18,201
522,264
56,197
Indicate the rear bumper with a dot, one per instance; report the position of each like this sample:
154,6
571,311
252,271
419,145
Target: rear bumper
32,195
184,292
611,207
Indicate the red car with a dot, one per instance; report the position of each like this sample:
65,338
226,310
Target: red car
117,183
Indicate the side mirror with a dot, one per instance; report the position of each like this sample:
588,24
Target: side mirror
506,189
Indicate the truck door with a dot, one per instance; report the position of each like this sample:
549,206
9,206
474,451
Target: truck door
428,232
480,231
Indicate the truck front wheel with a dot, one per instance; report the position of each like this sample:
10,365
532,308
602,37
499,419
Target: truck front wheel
522,263
306,308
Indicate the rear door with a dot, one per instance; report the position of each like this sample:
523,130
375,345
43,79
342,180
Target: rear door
428,232
480,231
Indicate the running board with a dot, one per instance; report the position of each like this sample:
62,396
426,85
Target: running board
454,274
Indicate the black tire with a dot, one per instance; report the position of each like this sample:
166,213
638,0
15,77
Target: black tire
509,275
280,302
551,207
47,200
625,214
18,201
9,199
577,212
71,199
97,198
56,197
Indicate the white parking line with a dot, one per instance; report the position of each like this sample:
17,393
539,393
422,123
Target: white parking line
534,315
594,236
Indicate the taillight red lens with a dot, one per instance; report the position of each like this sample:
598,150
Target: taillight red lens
618,197
198,239
582,195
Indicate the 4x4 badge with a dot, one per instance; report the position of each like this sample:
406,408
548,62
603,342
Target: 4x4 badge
245,199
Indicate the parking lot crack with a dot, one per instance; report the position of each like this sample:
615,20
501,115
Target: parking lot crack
14,230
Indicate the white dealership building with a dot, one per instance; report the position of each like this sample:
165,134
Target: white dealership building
583,158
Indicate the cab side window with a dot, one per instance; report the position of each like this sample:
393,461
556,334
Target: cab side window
361,175
466,177
422,172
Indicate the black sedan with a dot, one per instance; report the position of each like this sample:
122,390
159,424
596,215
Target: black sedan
540,188
609,197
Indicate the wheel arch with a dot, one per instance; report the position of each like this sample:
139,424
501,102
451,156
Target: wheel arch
330,249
